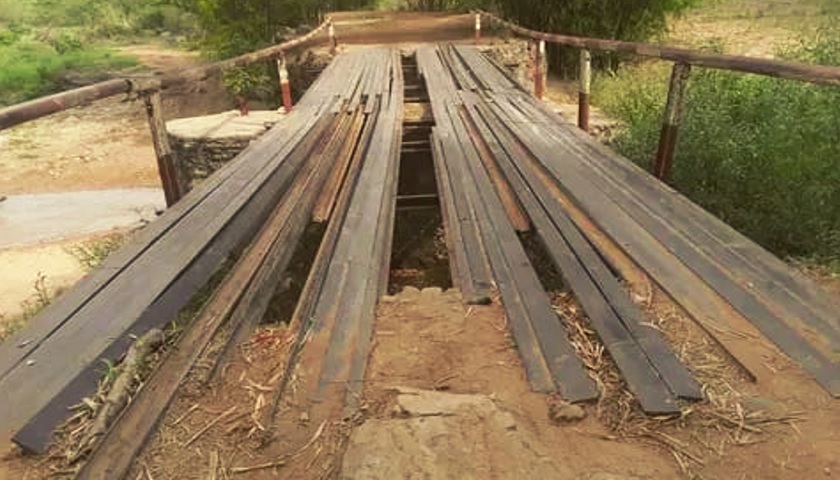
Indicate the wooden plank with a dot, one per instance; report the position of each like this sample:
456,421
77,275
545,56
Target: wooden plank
536,368
452,232
148,280
303,319
243,295
378,272
566,368
590,194
16,348
325,205
591,280
356,255
473,271
398,88
64,385
797,299
515,212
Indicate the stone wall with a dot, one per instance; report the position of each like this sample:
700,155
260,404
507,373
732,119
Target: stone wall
517,57
202,145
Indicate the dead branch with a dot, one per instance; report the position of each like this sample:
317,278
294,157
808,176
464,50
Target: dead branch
122,388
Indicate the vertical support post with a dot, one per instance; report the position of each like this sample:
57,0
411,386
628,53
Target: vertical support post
285,88
671,122
539,77
163,151
333,40
477,28
585,88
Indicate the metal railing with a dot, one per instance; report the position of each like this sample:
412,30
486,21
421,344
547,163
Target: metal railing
683,60
149,90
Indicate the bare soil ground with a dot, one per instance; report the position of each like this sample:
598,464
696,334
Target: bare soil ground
105,145
53,265
366,28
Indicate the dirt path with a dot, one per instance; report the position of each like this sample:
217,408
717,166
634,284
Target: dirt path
426,340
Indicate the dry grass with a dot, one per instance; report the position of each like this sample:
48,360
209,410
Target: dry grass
708,428
41,297
228,421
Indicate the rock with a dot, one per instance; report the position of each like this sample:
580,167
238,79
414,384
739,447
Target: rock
434,291
201,145
564,412
410,291
515,56
445,435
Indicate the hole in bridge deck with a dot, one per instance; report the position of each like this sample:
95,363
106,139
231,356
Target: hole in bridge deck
550,277
288,291
419,256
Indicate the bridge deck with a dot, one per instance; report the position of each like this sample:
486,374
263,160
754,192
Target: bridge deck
503,162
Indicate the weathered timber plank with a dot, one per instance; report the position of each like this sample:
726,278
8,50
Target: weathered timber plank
585,270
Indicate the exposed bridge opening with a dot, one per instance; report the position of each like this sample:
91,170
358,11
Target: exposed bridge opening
419,256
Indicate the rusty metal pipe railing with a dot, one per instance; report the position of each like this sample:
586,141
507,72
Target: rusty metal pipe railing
684,59
149,90
805,72
270,53
41,107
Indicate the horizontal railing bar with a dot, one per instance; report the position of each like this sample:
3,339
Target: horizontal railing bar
41,107
819,74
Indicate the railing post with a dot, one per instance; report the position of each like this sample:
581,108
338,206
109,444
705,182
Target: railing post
285,88
539,78
163,151
671,122
333,40
477,28
585,87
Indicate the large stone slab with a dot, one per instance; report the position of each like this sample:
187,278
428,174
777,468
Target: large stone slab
447,436
201,145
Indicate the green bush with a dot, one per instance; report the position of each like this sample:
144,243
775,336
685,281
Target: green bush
760,153
32,69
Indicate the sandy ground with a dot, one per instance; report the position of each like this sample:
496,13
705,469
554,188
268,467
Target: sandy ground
99,147
21,269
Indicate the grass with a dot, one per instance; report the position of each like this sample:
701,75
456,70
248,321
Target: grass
29,69
92,253
760,153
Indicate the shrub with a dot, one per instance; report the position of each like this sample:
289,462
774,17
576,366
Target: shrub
760,153
32,69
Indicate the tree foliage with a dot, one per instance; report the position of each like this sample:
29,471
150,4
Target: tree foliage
613,19
762,154
236,26
631,20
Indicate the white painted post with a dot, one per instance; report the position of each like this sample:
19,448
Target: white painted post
585,88
285,88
